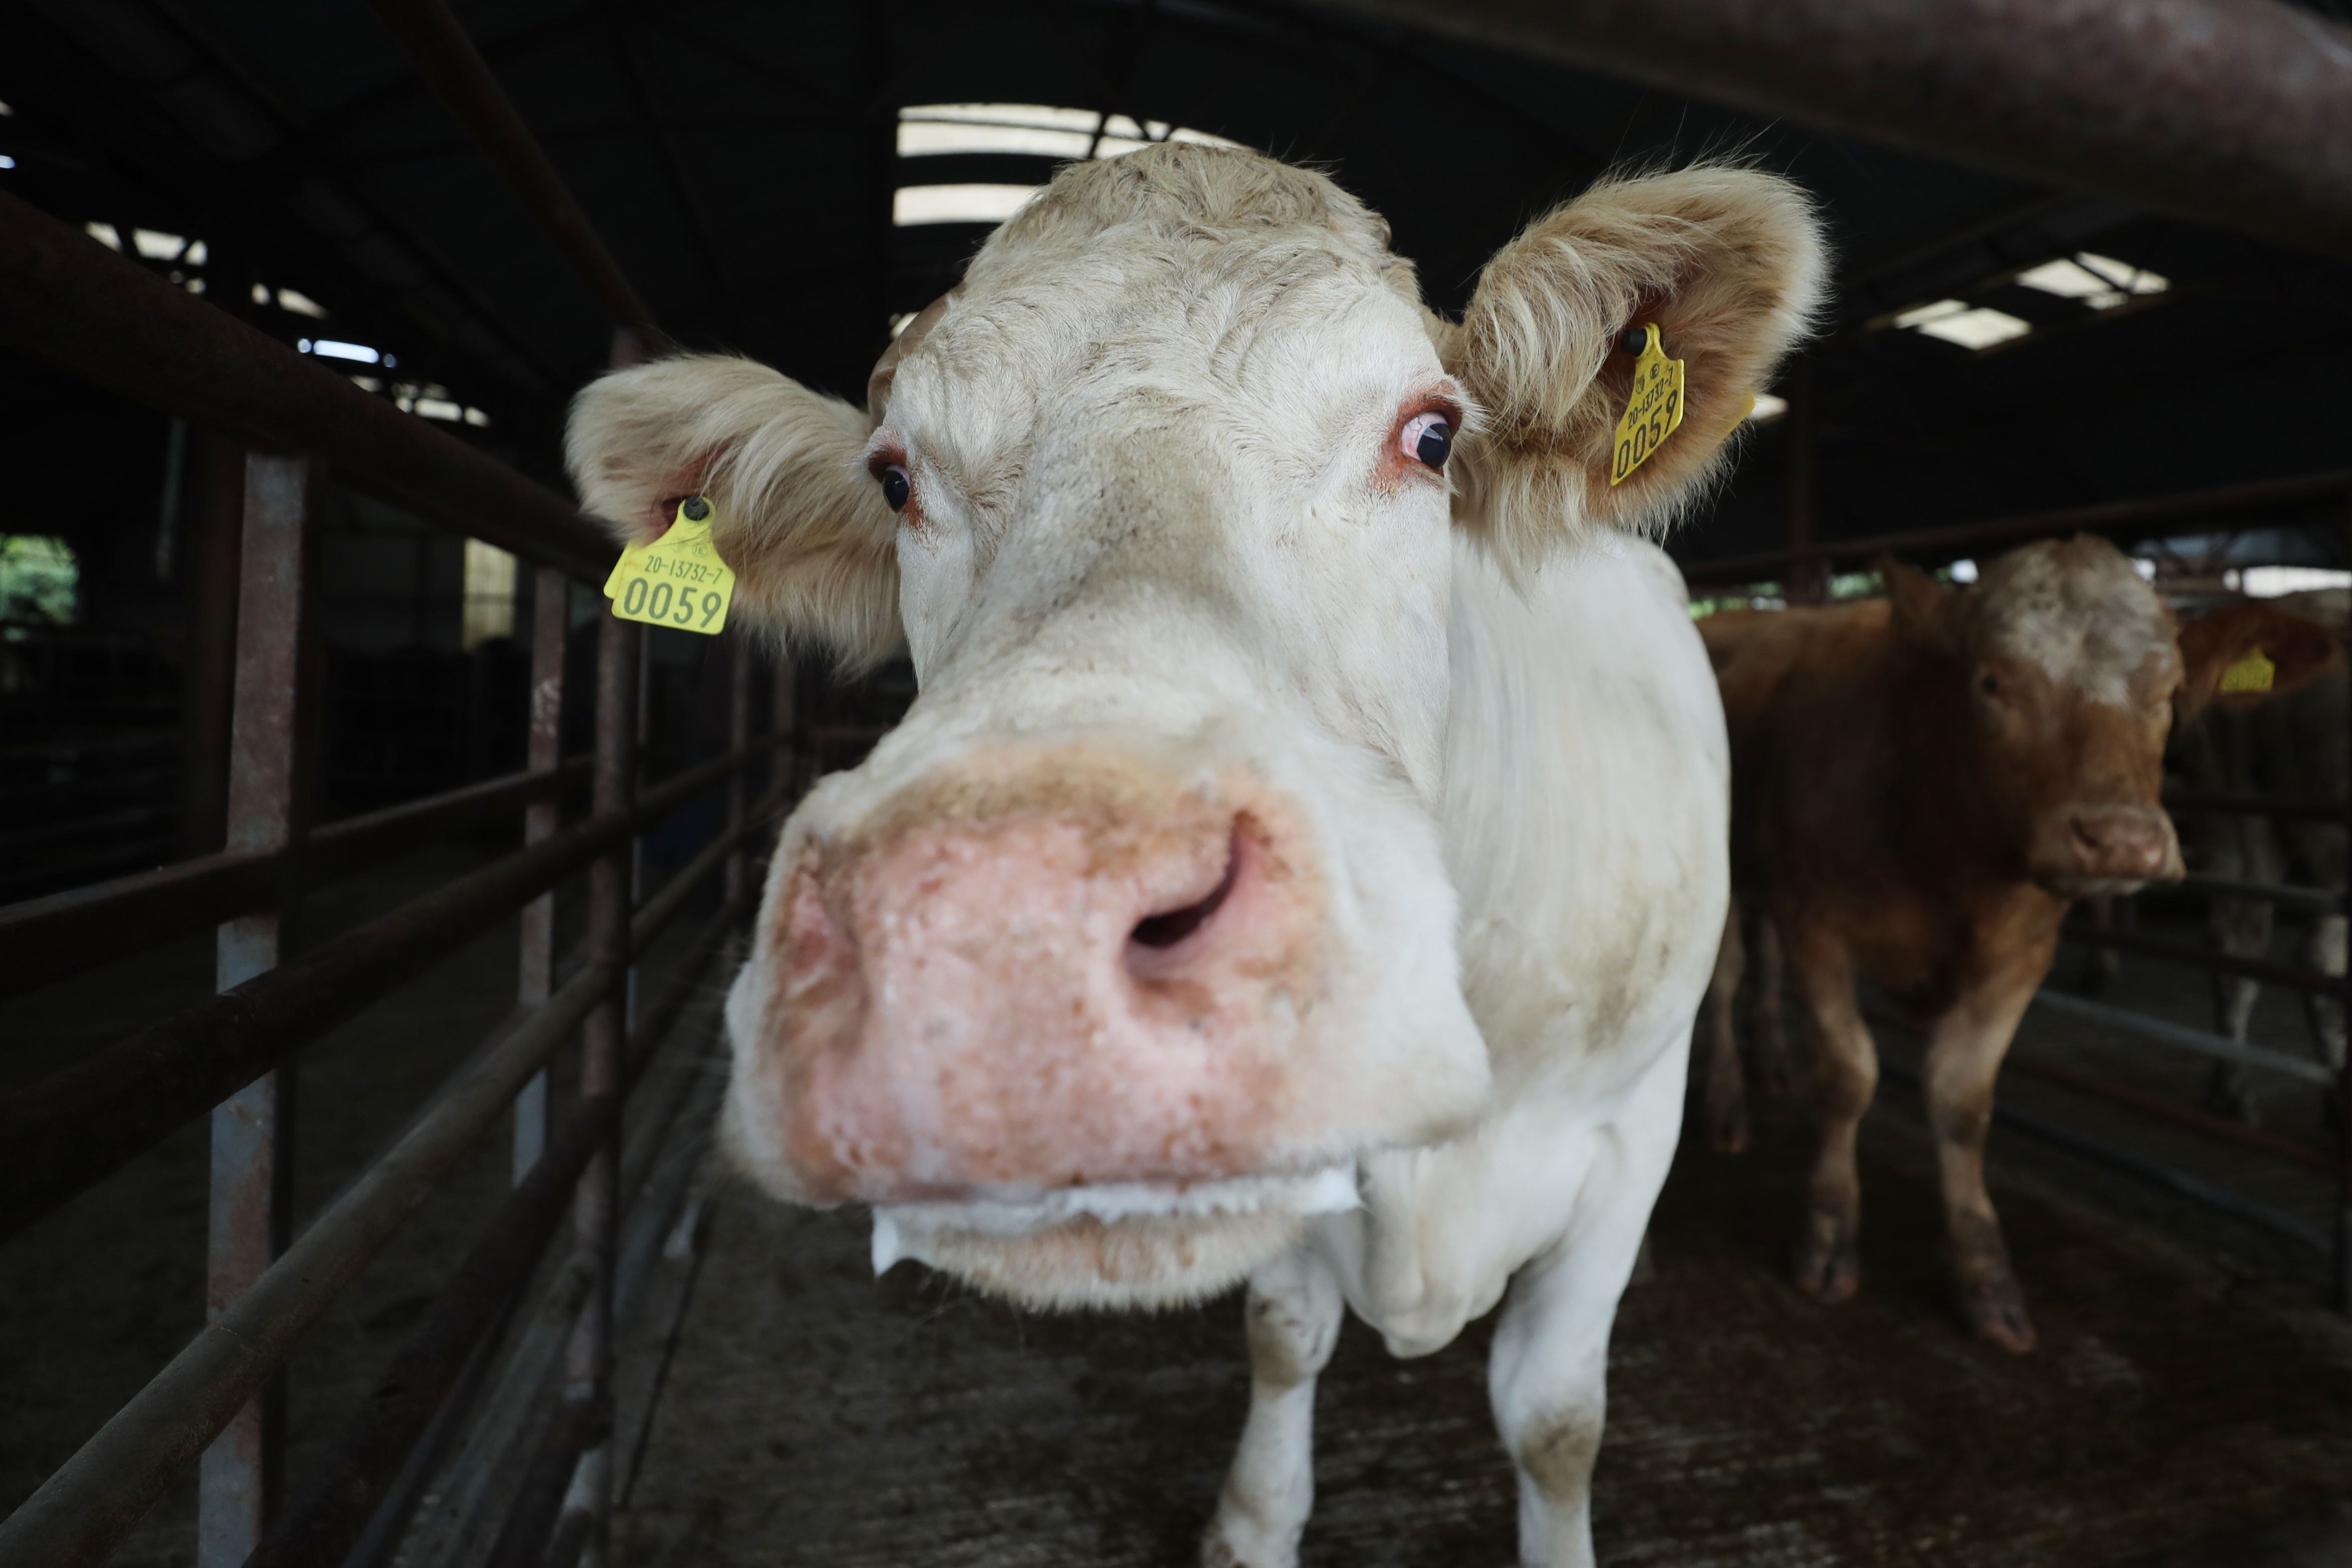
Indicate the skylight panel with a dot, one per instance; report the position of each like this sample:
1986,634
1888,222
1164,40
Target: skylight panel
1768,408
6,162
926,137
2270,581
104,234
1034,130
2124,275
916,205
1200,138
1034,114
300,304
1978,327
2099,281
332,350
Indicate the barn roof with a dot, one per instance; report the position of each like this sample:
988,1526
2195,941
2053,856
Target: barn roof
1996,349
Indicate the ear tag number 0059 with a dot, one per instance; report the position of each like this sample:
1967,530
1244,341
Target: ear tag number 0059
1654,413
677,580
2251,673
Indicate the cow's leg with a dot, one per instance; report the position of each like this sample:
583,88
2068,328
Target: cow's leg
1846,1076
2325,951
2101,964
2240,927
1964,1054
1294,1312
1776,1068
2242,851
1724,1090
1548,1372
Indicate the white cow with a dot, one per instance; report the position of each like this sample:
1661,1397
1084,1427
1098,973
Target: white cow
1307,852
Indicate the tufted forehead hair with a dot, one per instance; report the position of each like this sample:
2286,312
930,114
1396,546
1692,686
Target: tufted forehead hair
1192,199
2076,607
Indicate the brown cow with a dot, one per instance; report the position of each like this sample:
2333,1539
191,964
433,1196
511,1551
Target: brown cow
1921,785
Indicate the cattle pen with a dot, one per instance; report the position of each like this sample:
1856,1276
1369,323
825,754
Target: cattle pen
2320,503
359,1204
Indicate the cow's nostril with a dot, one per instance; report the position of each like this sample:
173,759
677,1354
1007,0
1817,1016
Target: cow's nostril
1172,926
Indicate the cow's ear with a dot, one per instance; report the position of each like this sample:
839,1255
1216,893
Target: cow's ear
1917,602
2297,649
1729,263
812,541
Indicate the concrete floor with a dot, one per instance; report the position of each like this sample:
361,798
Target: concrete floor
2176,1409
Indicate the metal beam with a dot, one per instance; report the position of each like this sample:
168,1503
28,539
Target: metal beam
447,60
2235,112
2230,506
69,301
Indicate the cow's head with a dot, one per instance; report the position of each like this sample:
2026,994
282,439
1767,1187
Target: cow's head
2060,673
1110,961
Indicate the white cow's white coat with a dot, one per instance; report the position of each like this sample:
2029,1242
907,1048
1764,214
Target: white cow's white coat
1161,508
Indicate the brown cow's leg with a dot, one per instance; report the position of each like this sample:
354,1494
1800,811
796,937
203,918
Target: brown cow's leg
1964,1053
1776,1068
1846,1076
1723,1093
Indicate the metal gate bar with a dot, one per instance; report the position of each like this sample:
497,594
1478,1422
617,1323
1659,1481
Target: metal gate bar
66,933
2164,1032
74,1128
105,1487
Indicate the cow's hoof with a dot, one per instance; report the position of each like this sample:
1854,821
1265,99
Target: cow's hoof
2000,1318
1829,1266
2232,1100
1236,1542
1727,1129
1989,1296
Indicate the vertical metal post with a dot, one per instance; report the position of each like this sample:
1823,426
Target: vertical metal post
550,618
2344,1074
738,735
588,1358
1808,575
210,667
785,761
251,1215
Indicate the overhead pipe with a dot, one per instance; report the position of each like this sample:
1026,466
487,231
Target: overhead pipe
2235,112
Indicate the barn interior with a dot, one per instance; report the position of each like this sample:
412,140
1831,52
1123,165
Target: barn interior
2002,361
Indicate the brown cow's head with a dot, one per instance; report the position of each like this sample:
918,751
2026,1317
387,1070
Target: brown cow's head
1108,964
2060,673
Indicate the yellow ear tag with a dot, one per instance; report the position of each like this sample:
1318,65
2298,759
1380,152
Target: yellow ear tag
677,580
1730,429
1654,413
2251,673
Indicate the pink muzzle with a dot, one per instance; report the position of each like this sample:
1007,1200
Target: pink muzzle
1034,974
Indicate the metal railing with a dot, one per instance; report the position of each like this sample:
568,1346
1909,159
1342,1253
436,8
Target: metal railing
219,1404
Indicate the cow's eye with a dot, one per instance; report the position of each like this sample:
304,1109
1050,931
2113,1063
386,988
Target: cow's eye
1427,439
895,487
1988,684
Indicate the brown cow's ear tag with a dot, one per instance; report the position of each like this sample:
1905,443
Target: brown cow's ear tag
677,580
1653,413
2251,673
